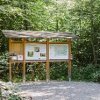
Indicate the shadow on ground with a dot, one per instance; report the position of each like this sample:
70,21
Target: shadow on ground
60,91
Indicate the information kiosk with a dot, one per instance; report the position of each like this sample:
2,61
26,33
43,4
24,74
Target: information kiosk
23,51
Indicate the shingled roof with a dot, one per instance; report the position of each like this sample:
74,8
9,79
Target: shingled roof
37,34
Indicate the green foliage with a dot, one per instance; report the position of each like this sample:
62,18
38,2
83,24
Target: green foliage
80,17
58,71
14,97
85,22
96,76
0,93
35,72
4,59
4,66
87,73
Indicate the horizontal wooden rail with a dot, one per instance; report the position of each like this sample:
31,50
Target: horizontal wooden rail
41,42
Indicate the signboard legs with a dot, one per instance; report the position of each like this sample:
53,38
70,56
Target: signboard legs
10,69
47,61
24,71
69,70
69,60
10,72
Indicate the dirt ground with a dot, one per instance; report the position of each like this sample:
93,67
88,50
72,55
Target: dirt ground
59,91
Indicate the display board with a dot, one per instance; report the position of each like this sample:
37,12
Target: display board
58,51
38,51
35,51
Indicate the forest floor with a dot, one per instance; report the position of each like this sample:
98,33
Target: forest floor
62,90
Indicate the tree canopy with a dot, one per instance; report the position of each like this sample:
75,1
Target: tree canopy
81,17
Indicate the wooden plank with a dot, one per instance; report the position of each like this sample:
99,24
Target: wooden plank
16,48
10,72
50,60
37,34
24,67
69,61
30,42
58,42
47,61
15,42
69,70
10,69
58,60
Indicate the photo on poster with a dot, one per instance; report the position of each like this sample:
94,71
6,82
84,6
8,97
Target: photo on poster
42,55
36,49
30,54
20,57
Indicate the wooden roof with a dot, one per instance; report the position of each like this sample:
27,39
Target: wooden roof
37,34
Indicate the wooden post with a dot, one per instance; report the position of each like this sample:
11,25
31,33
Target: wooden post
24,68
47,61
10,69
69,60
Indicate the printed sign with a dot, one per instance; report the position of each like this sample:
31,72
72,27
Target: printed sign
58,51
38,51
35,52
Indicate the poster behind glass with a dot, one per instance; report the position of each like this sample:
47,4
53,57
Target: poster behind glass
38,51
35,51
58,51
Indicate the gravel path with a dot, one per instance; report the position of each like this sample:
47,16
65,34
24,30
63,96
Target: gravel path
59,91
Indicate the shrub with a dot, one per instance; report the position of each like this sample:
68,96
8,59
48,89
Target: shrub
96,76
88,73
4,66
14,97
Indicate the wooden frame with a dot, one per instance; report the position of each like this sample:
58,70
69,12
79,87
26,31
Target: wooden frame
47,61
23,42
10,63
69,60
24,71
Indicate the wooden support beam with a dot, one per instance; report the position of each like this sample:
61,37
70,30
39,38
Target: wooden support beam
47,61
24,67
40,42
10,69
69,60
69,70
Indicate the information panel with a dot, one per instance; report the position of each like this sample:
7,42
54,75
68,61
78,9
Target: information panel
38,51
58,51
35,51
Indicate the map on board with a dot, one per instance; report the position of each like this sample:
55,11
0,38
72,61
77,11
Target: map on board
58,51
38,51
61,51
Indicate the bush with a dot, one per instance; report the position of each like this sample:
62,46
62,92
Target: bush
14,97
88,73
96,76
76,73
4,66
58,71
